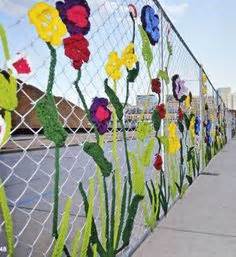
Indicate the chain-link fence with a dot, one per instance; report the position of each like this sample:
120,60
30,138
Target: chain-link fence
27,160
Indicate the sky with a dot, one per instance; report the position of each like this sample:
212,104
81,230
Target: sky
208,27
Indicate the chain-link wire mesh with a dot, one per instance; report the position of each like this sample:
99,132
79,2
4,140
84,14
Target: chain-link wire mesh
27,160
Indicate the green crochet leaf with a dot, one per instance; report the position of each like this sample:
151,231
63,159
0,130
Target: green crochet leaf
7,118
3,37
169,47
75,244
89,220
138,176
187,121
102,209
95,253
181,127
156,120
147,154
118,205
8,87
163,74
164,140
146,47
132,211
114,100
49,118
122,214
94,233
133,74
190,154
7,221
97,153
63,231
173,177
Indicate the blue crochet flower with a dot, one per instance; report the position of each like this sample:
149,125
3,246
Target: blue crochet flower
197,125
208,140
208,126
150,22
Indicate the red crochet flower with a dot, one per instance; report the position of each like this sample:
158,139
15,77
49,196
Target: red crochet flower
76,48
133,10
180,114
156,86
22,66
161,110
158,162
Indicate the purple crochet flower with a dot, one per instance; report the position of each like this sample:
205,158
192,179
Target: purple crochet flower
75,15
100,114
180,91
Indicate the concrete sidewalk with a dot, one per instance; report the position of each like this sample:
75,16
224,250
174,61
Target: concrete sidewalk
203,223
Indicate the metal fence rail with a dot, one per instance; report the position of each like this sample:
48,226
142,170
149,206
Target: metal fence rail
27,159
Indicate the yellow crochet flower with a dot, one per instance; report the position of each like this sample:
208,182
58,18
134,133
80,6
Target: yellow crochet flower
204,90
204,86
173,140
192,128
113,66
187,102
129,58
204,79
48,23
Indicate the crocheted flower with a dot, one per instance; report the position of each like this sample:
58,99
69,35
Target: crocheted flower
100,114
76,48
129,58
2,129
19,65
144,129
132,10
192,127
156,86
208,126
180,114
161,110
197,125
150,23
75,15
158,162
188,101
180,91
47,22
113,66
208,140
173,140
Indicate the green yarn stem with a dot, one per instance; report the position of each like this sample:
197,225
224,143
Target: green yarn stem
127,159
127,93
4,43
52,68
76,83
56,191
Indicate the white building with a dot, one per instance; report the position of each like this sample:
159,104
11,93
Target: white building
146,101
233,99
